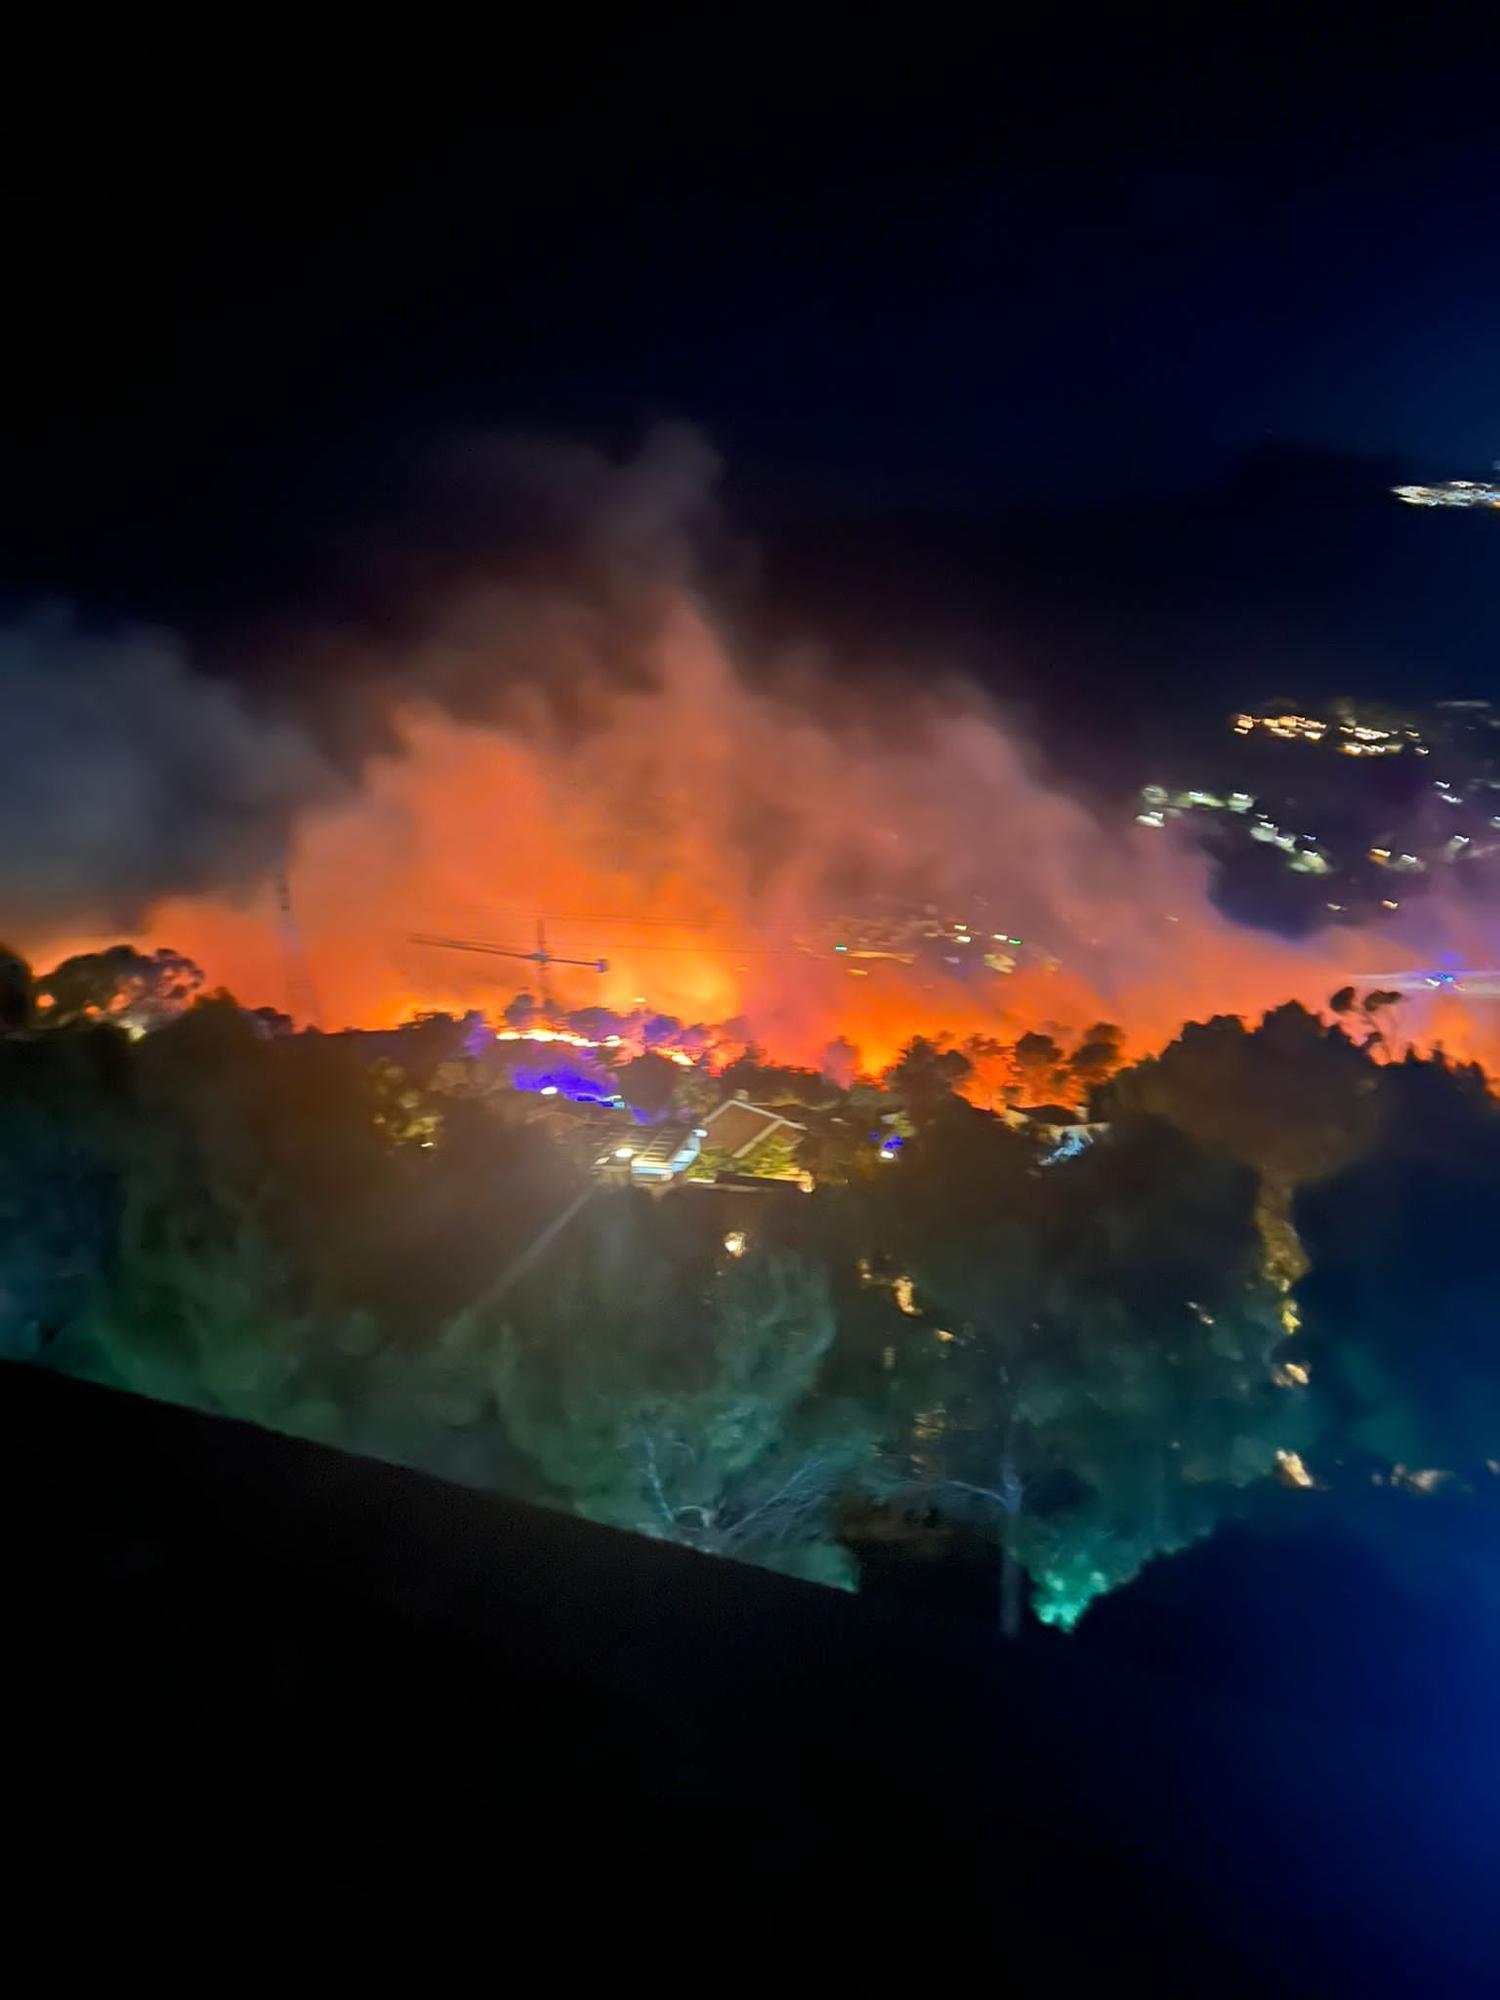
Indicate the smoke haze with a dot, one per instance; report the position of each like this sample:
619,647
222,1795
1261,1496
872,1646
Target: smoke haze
581,736
125,777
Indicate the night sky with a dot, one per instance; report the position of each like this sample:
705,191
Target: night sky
1025,345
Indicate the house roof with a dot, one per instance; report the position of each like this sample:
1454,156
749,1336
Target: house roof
737,1126
665,1143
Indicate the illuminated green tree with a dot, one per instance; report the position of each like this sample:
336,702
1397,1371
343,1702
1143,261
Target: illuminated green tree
1103,1346
776,1157
1159,1387
199,1310
957,1220
405,1113
65,1114
683,1406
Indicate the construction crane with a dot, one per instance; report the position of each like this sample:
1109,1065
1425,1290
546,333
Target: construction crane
540,956
301,993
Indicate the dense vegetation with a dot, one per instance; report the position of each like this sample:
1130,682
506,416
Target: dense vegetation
1078,1358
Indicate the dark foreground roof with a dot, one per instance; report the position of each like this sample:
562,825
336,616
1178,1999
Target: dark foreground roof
259,1686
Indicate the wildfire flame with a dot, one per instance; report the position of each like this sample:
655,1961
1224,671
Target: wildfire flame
708,836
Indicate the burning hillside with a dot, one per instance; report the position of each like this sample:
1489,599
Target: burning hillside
751,845
708,840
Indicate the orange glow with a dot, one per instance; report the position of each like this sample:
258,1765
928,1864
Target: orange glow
706,837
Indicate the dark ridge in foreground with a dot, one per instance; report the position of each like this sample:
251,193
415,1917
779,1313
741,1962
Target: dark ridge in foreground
267,1686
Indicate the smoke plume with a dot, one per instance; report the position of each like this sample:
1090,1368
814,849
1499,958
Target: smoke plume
126,777
581,736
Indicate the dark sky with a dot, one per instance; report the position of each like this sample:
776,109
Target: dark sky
994,313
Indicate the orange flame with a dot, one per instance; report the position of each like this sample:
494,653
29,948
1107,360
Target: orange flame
706,836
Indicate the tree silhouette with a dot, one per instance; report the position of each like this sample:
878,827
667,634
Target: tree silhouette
1398,1302
1292,1099
648,1083
15,992
924,1077
138,990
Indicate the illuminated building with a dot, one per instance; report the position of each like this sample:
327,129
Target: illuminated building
1063,1131
1288,726
1401,834
1357,733
737,1127
670,1151
907,936
1452,493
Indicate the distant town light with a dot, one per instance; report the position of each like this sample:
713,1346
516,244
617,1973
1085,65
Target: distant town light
1451,493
